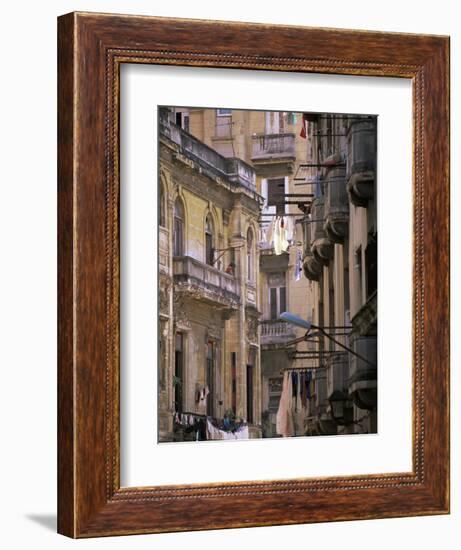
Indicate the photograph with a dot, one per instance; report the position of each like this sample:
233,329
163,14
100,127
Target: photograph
267,274
192,352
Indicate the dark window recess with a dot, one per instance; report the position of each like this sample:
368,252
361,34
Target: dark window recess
250,255
346,279
178,242
250,396
234,381
283,299
276,194
331,299
209,248
209,234
278,301
210,378
162,213
178,372
178,246
358,267
281,123
182,120
273,299
329,135
371,264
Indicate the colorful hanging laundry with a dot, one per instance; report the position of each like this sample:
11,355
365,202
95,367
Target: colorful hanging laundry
298,265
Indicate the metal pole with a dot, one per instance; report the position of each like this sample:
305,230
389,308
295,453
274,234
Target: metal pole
343,346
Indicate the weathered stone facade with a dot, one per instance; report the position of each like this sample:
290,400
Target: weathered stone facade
324,168
270,142
340,258
208,294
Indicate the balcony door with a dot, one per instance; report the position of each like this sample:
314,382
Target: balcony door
178,236
274,191
274,123
250,393
210,376
277,294
209,238
178,381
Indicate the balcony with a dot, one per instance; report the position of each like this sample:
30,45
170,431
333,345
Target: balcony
361,161
234,170
366,318
203,282
362,383
275,333
336,205
337,373
311,266
324,423
273,150
321,245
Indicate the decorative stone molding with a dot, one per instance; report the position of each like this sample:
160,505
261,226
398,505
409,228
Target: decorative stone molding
252,329
164,295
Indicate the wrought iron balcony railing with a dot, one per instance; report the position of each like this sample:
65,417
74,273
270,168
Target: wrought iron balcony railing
267,146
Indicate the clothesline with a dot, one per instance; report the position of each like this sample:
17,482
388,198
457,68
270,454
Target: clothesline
296,393
278,215
209,428
301,369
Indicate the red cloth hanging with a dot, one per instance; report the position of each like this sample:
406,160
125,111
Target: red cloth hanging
303,132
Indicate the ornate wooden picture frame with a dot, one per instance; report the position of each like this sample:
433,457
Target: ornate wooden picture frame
92,48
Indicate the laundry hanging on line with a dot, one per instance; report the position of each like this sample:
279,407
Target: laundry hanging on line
208,428
296,392
215,433
280,233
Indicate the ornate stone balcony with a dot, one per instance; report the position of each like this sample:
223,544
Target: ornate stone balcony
361,161
336,205
234,170
203,282
275,333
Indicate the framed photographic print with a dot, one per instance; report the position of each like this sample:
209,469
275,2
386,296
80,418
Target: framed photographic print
236,347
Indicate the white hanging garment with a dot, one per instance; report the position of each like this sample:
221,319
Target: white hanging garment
270,232
289,228
277,238
283,234
284,421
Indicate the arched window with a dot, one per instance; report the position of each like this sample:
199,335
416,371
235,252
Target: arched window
162,206
250,255
178,239
209,240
